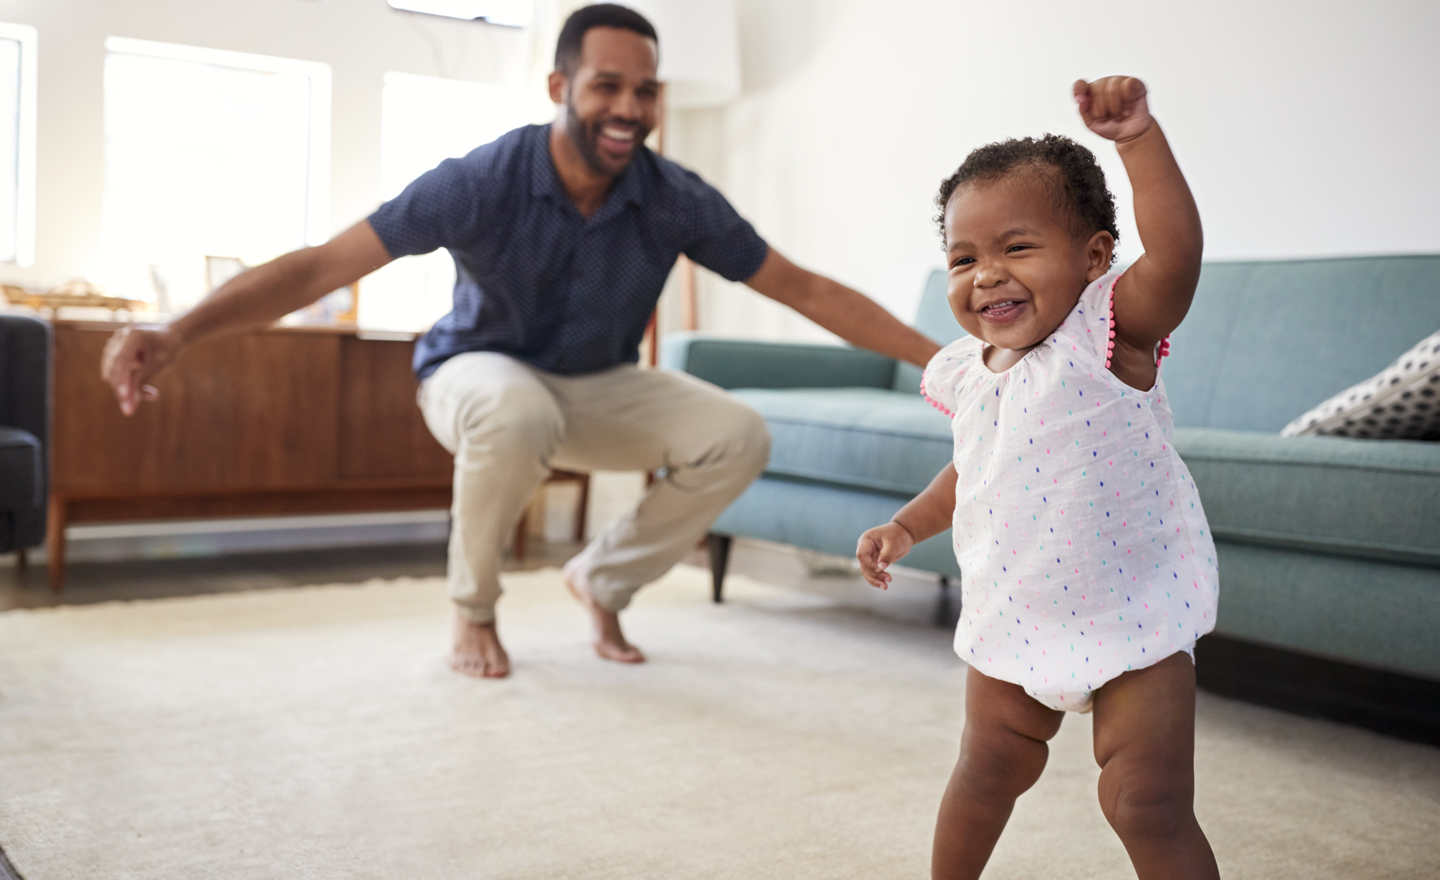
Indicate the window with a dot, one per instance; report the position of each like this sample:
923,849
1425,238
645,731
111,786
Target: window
424,120
17,144
208,153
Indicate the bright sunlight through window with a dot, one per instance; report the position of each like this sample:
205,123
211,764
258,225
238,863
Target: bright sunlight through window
424,120
208,153
17,144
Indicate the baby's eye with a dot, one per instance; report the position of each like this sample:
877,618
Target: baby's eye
1017,247
963,261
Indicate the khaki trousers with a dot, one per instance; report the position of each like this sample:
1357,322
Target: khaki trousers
508,424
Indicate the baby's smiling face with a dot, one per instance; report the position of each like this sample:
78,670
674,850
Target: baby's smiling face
1016,266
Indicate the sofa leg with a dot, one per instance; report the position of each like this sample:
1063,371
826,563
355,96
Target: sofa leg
719,547
947,609
22,561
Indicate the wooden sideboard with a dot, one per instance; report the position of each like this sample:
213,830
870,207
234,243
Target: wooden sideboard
287,420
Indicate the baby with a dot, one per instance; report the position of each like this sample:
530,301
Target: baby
1088,567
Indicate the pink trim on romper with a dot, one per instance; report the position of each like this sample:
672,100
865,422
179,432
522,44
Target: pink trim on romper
933,402
1110,324
1161,350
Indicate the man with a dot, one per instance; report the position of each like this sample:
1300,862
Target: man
562,237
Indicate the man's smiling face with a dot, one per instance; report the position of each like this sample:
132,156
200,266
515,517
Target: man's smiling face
610,98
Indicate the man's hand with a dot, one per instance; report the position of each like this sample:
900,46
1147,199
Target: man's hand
133,355
878,548
255,298
1114,107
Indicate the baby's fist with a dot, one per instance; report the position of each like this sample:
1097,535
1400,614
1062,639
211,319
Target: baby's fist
1114,107
878,548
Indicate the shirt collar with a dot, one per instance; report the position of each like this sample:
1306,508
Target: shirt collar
545,180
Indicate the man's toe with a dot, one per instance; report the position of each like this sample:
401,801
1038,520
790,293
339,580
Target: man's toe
624,653
469,664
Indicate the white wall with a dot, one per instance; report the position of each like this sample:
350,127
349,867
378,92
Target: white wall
361,40
1305,128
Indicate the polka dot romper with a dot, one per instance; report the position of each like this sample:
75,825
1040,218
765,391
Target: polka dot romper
1082,544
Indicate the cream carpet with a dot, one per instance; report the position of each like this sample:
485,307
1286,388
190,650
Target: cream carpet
317,733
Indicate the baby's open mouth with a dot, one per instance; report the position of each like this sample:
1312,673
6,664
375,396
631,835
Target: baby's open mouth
1002,311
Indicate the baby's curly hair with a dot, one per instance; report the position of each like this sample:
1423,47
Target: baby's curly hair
1076,182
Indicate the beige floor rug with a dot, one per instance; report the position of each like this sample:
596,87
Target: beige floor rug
317,733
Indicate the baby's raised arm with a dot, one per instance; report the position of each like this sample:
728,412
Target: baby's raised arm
1154,294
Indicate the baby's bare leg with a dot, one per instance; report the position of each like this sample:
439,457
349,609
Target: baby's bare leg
1145,746
1001,755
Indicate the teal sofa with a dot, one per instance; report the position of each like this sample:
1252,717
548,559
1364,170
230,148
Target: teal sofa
1329,548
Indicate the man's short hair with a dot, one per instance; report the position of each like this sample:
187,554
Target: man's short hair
572,35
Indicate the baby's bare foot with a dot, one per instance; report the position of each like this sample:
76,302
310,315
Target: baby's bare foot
478,652
610,642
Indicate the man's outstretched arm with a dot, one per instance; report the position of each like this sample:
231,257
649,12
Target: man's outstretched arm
847,313
254,298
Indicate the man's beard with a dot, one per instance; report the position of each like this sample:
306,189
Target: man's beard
584,138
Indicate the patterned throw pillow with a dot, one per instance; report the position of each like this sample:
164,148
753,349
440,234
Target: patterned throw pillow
1402,403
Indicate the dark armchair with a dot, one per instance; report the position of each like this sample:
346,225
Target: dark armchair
25,359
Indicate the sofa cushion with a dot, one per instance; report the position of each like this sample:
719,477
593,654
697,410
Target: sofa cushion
1327,494
870,438
20,470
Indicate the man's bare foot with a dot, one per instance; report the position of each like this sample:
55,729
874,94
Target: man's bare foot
478,652
610,642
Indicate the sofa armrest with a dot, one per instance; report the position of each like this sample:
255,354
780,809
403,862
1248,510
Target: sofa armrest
22,473
741,363
25,354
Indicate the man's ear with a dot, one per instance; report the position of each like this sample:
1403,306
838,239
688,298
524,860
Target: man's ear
1098,251
557,84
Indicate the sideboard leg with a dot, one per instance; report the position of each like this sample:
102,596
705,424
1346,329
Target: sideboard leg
582,508
719,547
55,543
522,535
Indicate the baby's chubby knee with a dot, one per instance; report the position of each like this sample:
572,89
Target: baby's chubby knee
1003,749
1145,799
1001,771
1000,762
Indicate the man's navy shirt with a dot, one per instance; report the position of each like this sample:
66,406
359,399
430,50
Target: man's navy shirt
537,281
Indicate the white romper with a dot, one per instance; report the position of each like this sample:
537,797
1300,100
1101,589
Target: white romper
1083,548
